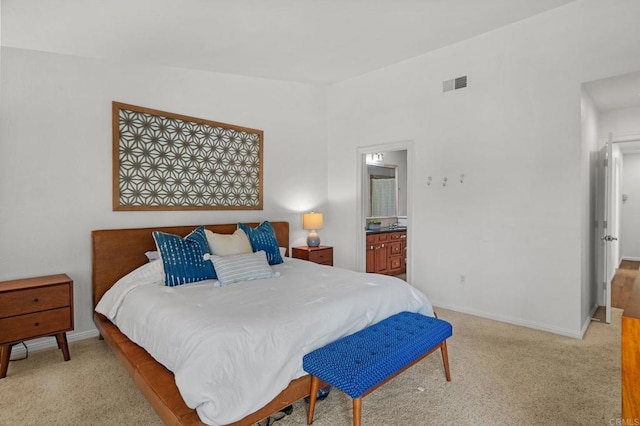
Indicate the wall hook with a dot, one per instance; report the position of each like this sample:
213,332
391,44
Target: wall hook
429,181
462,178
444,182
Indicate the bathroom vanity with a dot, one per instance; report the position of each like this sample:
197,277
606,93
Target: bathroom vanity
387,251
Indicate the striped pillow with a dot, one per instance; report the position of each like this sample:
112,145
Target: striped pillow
183,258
242,267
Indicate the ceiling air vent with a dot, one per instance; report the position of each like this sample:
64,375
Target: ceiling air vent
454,84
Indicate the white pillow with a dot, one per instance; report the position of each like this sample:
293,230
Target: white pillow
228,244
242,267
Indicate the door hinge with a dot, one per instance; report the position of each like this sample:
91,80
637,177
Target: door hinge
605,224
606,162
604,285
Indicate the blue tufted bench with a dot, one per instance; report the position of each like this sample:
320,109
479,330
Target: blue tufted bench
359,363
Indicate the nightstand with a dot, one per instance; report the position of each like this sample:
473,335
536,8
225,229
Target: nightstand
35,307
322,254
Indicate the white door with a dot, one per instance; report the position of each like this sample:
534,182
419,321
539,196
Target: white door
606,264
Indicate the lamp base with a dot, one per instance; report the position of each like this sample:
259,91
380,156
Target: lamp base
313,240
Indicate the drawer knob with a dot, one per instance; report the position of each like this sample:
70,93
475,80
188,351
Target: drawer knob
36,300
37,324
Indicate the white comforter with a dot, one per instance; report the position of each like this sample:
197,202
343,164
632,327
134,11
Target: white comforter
233,349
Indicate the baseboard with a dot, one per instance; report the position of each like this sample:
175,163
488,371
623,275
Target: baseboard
631,258
510,320
586,323
50,342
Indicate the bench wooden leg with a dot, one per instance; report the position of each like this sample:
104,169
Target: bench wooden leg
445,360
315,384
357,411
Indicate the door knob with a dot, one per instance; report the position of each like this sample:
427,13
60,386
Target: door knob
609,238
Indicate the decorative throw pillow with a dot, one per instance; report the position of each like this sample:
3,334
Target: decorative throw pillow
263,237
183,258
242,267
228,244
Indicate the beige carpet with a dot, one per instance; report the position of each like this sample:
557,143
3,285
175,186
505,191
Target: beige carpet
501,375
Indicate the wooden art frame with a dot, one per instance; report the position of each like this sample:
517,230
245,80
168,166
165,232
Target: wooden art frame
166,161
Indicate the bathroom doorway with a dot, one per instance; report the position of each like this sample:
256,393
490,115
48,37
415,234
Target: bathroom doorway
384,204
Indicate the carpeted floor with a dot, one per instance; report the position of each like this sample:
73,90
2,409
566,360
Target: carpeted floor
501,375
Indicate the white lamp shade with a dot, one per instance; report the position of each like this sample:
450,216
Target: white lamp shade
312,220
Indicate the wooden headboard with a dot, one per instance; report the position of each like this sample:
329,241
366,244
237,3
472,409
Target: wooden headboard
116,252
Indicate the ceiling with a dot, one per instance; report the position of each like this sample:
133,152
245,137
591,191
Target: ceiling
618,92
622,91
309,41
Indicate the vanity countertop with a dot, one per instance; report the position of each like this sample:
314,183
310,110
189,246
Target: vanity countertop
387,229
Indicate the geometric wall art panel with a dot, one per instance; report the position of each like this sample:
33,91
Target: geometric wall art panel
166,161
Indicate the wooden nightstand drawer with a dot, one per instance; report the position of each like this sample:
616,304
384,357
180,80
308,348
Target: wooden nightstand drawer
322,256
44,323
34,300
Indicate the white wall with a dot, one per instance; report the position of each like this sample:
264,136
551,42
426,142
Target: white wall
630,209
589,140
515,228
55,154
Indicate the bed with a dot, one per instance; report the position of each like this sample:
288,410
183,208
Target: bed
116,253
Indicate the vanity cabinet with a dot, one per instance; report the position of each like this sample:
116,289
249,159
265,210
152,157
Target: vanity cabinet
377,253
397,253
387,252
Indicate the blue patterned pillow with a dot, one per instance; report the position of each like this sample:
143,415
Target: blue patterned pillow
183,258
263,237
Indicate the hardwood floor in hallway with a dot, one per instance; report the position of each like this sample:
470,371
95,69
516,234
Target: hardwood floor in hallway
622,283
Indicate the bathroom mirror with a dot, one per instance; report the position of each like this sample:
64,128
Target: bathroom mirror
383,190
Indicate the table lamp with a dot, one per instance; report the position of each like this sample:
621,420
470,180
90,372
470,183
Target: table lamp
312,221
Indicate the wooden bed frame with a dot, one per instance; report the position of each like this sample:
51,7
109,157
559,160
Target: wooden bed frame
115,253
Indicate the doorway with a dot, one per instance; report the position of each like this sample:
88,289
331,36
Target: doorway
611,107
620,232
393,156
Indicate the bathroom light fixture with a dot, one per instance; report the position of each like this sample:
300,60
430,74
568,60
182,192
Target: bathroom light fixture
312,221
375,158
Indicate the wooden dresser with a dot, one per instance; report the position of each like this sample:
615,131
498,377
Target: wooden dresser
35,307
630,362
